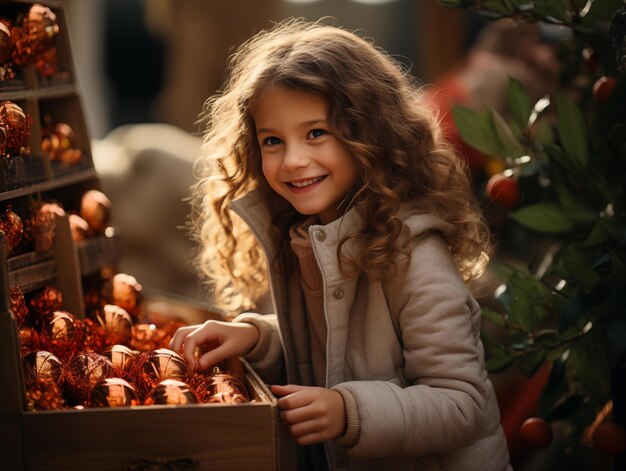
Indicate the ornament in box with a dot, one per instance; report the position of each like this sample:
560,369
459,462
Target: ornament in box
172,392
113,392
83,372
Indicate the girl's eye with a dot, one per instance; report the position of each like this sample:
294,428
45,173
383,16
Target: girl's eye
271,141
317,133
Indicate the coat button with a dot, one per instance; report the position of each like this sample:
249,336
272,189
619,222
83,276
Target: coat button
320,235
338,293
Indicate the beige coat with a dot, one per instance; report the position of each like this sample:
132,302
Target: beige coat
404,352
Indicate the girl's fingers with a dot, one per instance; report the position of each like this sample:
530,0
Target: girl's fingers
176,343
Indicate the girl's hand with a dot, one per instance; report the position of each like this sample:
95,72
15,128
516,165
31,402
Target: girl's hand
312,414
216,340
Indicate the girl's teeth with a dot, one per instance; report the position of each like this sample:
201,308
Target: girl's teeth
306,182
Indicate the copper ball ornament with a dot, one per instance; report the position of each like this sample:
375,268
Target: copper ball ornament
13,228
44,365
18,305
95,208
6,43
47,301
116,321
113,392
16,123
126,293
41,22
164,364
172,392
61,326
41,226
79,228
84,371
119,355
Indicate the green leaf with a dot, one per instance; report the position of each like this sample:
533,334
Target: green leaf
493,316
572,130
519,104
582,273
499,362
603,9
548,218
556,155
476,129
530,363
509,146
543,132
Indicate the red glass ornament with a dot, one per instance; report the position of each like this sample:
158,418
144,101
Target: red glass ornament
61,326
537,432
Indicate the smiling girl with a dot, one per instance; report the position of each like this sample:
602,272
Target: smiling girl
325,182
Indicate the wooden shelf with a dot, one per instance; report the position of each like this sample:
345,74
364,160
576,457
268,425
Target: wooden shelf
66,180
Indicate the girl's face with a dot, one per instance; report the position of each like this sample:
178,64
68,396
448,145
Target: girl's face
302,160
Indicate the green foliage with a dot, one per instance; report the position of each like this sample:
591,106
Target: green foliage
570,314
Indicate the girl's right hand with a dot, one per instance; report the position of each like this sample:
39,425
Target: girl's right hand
219,340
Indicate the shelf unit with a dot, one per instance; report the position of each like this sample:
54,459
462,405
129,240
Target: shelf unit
211,436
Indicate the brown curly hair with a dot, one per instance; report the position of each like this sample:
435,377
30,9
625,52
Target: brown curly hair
375,109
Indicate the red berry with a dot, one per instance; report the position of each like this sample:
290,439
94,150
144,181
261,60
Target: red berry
609,438
590,58
602,89
503,190
536,432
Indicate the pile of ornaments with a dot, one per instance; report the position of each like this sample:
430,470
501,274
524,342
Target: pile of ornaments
116,357
36,230
29,39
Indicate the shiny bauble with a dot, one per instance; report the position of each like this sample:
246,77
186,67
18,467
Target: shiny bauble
113,392
172,392
120,355
43,365
116,321
95,208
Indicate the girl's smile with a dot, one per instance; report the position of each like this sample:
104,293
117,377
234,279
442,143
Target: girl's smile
302,159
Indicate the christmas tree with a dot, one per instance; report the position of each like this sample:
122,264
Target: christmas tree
564,161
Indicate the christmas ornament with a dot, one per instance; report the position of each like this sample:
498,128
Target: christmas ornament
45,302
42,394
503,190
95,208
536,432
602,89
13,229
16,124
6,43
113,392
61,326
126,293
219,387
609,438
33,34
165,364
40,227
59,143
43,364
120,356
172,392
84,371
116,321
18,305
79,228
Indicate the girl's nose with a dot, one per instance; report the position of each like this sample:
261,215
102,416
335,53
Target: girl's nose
295,157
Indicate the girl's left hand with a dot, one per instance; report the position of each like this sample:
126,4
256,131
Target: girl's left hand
312,414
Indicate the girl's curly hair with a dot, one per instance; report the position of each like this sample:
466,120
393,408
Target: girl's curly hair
376,110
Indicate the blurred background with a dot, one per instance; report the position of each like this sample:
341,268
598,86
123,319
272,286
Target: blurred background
145,68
